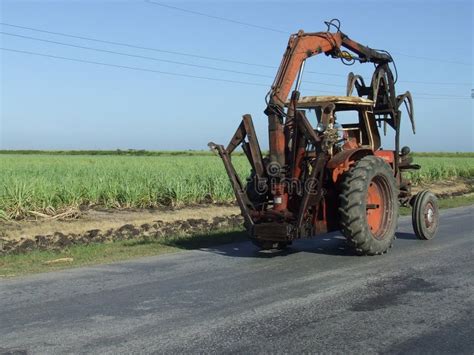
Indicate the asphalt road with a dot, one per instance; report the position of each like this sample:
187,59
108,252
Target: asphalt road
317,297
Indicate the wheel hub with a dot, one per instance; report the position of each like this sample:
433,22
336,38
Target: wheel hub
377,206
429,215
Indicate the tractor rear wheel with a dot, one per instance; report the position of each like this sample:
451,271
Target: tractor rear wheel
369,206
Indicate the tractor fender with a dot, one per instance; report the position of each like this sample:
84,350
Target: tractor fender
342,161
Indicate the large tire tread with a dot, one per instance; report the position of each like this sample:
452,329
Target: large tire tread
352,208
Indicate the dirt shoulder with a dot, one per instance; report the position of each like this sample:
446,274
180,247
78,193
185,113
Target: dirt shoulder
111,219
94,226
444,189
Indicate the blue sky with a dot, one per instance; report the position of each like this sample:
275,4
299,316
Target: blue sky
50,103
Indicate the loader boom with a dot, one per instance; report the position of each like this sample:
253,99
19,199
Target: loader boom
302,46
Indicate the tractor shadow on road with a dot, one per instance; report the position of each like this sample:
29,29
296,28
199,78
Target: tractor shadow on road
328,244
404,235
333,244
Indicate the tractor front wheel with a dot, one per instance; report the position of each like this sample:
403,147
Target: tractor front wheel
369,206
425,215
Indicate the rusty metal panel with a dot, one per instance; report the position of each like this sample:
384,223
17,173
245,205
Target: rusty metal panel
271,231
315,101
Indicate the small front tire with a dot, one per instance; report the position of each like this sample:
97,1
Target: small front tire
425,215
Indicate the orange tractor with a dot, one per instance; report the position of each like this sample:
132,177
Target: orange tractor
330,176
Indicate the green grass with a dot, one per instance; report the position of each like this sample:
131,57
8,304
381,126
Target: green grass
93,254
442,168
52,183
